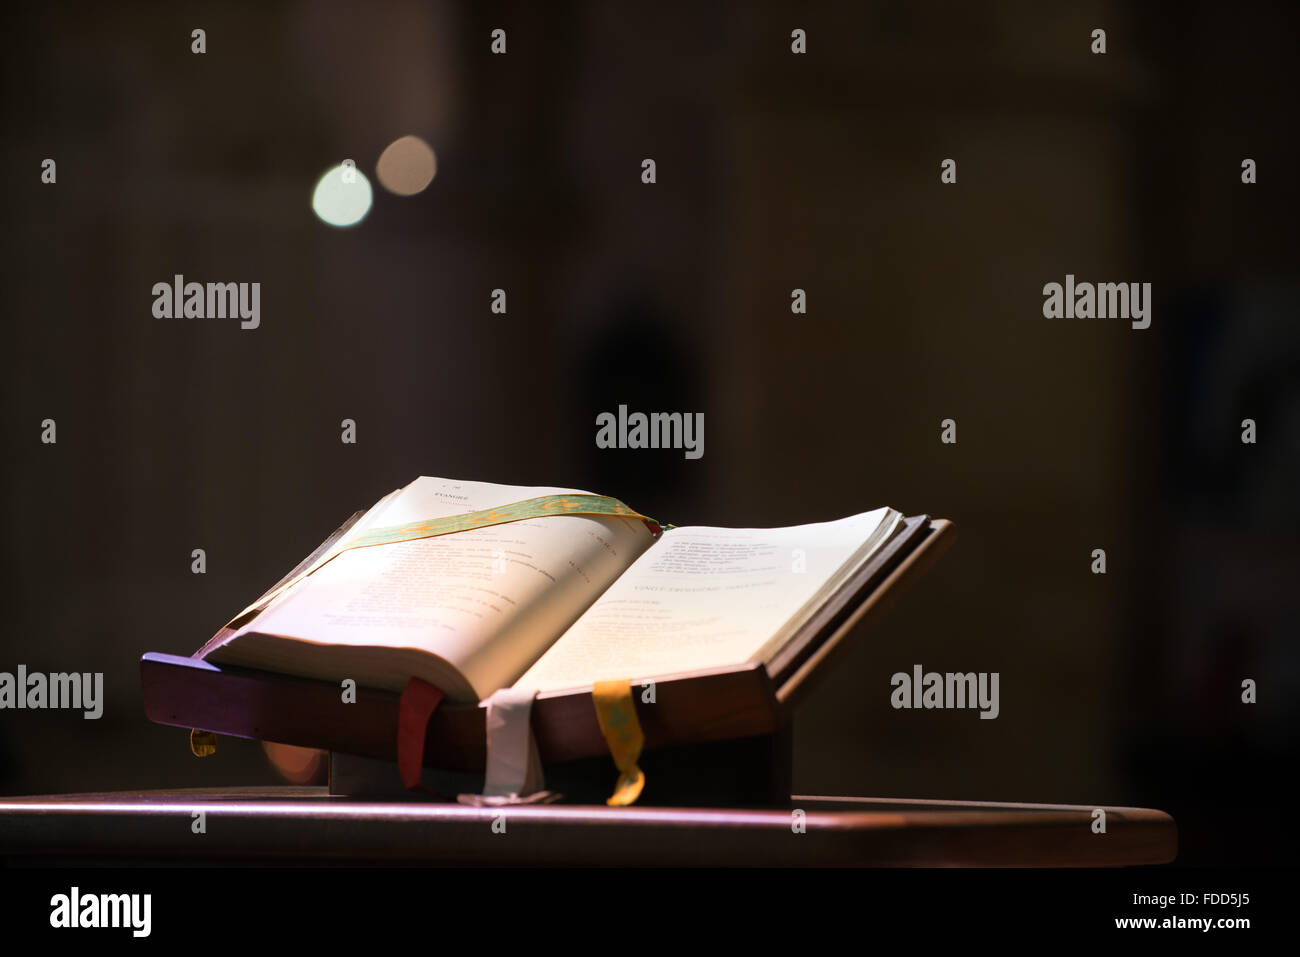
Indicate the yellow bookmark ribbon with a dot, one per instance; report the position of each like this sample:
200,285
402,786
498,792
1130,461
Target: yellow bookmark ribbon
563,504
622,730
202,743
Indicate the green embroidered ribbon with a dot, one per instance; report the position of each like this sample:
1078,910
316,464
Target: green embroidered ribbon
515,512
540,507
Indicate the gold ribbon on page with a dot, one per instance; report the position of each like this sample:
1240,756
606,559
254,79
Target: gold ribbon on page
540,507
616,713
515,512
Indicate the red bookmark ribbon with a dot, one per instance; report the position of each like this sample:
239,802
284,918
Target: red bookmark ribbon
418,703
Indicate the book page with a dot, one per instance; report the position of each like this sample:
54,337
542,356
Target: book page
372,518
707,598
486,601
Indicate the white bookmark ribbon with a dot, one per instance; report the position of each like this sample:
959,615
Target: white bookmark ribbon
514,767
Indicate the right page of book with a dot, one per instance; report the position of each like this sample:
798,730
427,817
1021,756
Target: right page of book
707,598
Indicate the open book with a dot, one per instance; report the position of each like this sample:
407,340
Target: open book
550,603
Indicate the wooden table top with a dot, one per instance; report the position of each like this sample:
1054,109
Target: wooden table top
308,825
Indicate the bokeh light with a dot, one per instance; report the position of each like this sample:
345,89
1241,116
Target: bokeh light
342,196
407,166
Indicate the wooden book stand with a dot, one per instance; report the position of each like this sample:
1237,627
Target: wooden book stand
719,738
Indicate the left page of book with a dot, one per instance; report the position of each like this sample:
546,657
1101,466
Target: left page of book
469,611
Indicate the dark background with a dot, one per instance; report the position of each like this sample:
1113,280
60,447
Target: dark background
775,171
